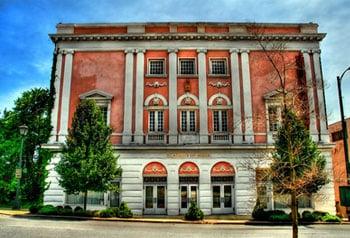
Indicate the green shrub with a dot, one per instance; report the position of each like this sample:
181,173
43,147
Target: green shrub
318,215
48,210
68,207
194,213
308,216
259,213
124,211
115,211
34,209
78,209
330,218
279,217
65,211
106,213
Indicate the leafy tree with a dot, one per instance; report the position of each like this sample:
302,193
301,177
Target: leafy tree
31,109
297,167
88,161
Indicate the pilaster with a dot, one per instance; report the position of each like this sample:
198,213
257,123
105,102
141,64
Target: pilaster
128,86
247,97
310,95
140,62
320,96
203,105
67,79
57,85
236,98
172,96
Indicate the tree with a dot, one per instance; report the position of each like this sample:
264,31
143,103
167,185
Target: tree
31,109
88,162
297,166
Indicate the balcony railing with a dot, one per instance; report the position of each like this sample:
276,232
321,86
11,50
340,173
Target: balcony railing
156,138
221,138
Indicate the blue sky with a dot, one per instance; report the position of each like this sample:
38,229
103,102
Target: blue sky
26,51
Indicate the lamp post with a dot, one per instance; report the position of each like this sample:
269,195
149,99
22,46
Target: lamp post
344,127
23,130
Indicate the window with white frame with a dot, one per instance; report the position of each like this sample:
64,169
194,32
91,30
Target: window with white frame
93,198
156,121
220,120
104,111
274,117
188,121
187,66
218,66
156,67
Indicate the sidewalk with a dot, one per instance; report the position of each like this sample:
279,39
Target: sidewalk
212,219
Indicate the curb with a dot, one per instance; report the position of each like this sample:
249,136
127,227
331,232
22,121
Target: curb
173,221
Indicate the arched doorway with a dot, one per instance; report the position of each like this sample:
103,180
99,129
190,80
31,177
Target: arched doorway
155,185
189,180
222,180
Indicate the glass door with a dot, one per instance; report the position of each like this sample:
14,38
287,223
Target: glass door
222,198
188,193
155,199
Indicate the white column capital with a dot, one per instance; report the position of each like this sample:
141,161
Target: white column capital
66,51
305,51
173,50
316,51
202,50
244,51
129,50
140,51
234,50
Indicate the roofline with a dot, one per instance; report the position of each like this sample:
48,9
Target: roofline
334,123
228,23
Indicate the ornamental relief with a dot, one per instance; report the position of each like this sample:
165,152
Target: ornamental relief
156,84
219,84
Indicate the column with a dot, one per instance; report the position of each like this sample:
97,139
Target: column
66,95
172,96
320,96
310,95
140,64
205,195
129,66
236,98
57,85
173,188
247,97
203,105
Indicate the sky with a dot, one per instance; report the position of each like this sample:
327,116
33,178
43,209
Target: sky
26,50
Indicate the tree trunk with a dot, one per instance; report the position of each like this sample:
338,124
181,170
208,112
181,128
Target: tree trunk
85,199
294,208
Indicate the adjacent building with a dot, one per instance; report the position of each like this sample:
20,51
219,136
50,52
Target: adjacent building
191,106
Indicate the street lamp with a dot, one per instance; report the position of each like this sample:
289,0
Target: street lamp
23,130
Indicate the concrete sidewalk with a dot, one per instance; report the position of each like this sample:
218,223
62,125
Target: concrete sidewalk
218,219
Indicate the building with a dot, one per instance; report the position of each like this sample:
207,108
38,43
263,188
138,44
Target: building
339,165
190,104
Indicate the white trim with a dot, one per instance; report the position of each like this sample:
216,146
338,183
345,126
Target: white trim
140,66
173,130
190,95
227,73
155,95
103,95
202,86
68,65
219,95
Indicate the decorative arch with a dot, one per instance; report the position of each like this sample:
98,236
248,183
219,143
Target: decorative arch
188,169
154,169
222,169
156,96
219,95
187,95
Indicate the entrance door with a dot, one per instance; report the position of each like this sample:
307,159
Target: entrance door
188,193
222,198
155,202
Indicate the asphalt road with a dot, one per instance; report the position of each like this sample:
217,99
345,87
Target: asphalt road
23,227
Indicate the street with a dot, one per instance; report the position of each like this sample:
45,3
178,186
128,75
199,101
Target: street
24,227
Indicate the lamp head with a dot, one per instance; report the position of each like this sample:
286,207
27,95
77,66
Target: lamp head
23,130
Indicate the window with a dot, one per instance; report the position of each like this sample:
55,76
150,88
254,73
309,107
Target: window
218,66
261,176
274,118
220,121
188,121
156,67
104,110
94,198
187,66
156,121
283,201
338,135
